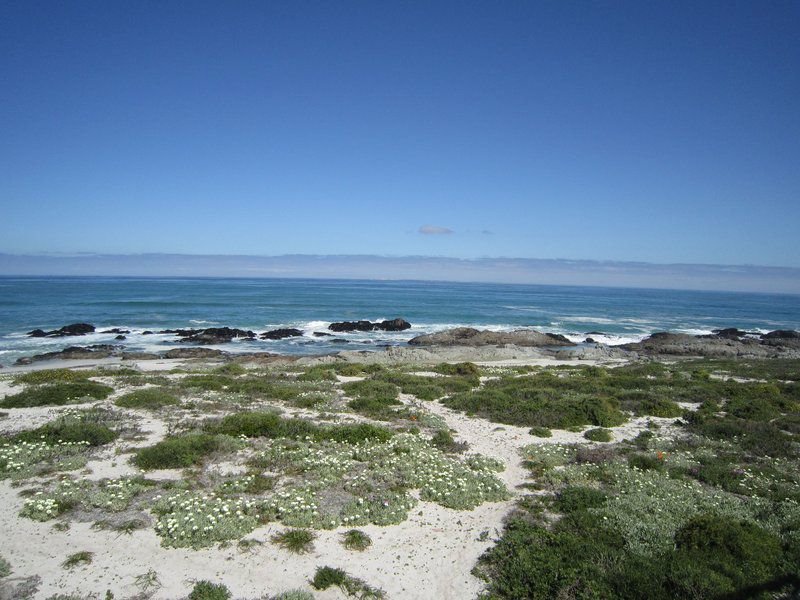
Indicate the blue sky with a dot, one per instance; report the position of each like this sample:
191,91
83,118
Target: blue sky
662,132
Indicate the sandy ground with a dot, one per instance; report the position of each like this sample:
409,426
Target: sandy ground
429,556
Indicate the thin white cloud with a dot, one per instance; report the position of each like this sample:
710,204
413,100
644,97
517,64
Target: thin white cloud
434,230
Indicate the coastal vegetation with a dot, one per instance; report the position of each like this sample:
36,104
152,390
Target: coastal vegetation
654,480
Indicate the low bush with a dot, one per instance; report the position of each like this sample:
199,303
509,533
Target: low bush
71,428
576,498
645,462
298,541
357,540
262,424
542,432
326,577
598,435
205,590
148,398
57,394
354,434
443,440
318,374
372,398
53,376
178,452
464,369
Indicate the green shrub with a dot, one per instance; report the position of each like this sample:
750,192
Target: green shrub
318,374
262,424
642,441
70,429
724,555
57,394
575,498
231,369
537,400
372,398
205,590
466,369
209,383
178,452
443,440
356,539
148,398
326,577
542,432
645,462
298,541
53,376
79,558
354,434
598,435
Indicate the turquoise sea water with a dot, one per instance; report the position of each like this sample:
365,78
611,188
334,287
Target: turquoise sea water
140,304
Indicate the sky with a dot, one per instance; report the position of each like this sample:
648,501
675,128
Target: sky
623,131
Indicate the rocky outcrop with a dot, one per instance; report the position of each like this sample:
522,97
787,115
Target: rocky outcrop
193,353
72,353
66,330
724,344
322,334
116,330
213,335
280,334
467,336
349,326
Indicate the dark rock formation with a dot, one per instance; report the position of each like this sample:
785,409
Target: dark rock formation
120,337
66,330
391,325
139,356
148,332
729,333
322,334
730,345
589,341
467,336
781,334
279,334
213,335
115,330
72,353
193,353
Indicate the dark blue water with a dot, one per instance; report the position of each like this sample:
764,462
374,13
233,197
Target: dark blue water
260,304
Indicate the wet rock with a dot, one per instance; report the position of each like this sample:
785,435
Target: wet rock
72,353
322,334
148,332
279,334
66,330
139,356
193,353
390,325
214,335
115,330
467,336
120,337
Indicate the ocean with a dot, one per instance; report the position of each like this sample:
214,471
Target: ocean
616,315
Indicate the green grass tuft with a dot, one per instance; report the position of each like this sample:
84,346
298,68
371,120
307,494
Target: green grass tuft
178,452
357,540
298,541
148,398
205,590
57,394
